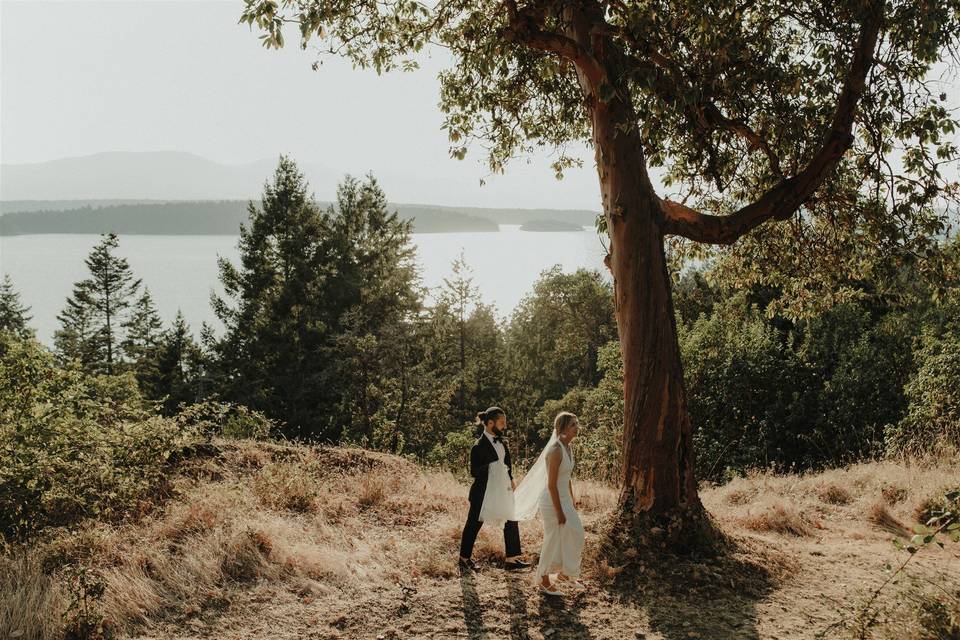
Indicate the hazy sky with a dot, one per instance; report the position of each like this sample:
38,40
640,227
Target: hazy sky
83,77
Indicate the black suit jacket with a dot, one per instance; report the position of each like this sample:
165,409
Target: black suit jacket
481,455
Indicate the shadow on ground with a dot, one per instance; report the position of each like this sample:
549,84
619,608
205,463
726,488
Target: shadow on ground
551,617
687,597
654,596
472,609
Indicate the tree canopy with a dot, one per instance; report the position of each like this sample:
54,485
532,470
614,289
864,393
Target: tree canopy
745,105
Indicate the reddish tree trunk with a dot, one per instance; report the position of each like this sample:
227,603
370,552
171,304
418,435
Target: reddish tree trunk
658,499
659,491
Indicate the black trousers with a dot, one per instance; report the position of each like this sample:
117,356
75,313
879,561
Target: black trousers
511,533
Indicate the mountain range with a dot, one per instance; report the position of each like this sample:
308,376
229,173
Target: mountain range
150,175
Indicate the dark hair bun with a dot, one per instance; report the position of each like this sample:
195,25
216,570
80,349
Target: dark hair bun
492,413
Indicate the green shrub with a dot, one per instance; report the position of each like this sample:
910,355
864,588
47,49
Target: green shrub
73,445
599,445
745,389
857,366
453,452
225,419
932,423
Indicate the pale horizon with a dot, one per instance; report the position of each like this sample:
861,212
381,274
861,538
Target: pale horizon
85,78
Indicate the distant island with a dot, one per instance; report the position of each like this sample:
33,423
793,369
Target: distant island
223,217
550,225
196,218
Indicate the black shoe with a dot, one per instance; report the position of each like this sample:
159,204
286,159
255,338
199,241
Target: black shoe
467,565
514,565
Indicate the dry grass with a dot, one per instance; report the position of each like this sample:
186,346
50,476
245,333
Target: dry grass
293,515
341,524
904,488
879,515
31,602
285,486
833,493
777,517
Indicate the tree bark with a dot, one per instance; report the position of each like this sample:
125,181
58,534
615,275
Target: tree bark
658,500
658,497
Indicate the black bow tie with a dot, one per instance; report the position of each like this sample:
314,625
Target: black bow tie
497,439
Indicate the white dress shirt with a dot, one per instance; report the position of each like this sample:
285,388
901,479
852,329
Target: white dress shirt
496,445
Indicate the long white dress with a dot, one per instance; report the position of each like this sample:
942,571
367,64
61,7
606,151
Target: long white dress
562,544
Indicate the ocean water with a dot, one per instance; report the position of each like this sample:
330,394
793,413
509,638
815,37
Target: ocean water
181,271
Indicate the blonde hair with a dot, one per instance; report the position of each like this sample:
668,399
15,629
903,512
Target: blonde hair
563,420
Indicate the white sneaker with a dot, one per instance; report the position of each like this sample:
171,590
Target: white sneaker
573,582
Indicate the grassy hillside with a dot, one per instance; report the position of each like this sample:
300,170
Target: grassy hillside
256,539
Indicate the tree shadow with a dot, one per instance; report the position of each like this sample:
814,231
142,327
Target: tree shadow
472,611
711,596
518,587
562,616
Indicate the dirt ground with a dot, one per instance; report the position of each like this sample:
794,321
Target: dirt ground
809,588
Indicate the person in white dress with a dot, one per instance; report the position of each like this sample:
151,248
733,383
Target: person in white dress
547,490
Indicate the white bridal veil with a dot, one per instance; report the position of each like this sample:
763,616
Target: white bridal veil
526,499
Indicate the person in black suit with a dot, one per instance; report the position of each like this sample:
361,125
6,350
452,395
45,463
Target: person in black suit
490,447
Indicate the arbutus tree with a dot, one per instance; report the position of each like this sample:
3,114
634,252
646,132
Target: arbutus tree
811,128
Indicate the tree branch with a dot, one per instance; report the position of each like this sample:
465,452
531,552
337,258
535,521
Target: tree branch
789,194
526,28
714,117
705,114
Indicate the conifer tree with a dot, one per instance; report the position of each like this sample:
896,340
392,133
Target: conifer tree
178,366
93,318
144,330
316,332
460,293
274,355
14,315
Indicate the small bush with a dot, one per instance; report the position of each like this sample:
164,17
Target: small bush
934,505
893,494
453,452
938,621
74,445
83,619
226,419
